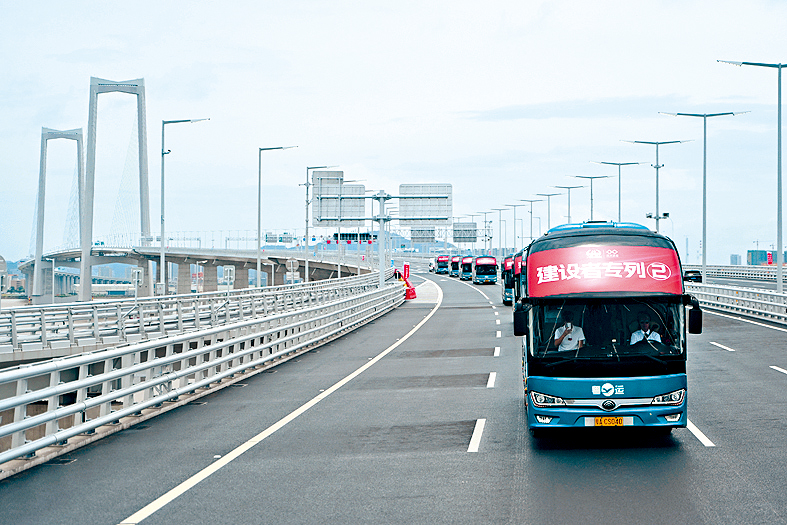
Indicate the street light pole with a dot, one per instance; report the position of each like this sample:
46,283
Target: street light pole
515,206
163,262
259,208
618,164
499,231
531,201
568,189
549,207
704,178
590,178
485,232
657,166
779,248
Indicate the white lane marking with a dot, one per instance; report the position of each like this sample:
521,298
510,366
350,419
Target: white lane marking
171,495
748,321
497,321
499,334
698,434
491,381
782,370
475,441
727,348
497,351
496,313
494,308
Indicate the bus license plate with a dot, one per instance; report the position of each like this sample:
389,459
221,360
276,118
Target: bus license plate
609,421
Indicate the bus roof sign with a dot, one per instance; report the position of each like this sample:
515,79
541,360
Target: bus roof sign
603,268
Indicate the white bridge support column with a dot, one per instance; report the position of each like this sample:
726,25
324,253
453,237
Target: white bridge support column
86,198
184,277
46,135
241,277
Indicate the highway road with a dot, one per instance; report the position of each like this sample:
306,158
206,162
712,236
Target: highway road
418,418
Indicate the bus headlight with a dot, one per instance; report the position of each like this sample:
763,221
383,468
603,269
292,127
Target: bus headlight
545,401
673,398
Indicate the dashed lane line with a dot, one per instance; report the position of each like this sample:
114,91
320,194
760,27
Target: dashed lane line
475,440
698,434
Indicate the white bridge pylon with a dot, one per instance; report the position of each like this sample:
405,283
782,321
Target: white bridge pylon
48,134
87,187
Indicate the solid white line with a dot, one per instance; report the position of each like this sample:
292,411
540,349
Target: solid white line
491,382
698,434
162,501
499,334
782,370
747,321
497,351
727,348
475,441
477,290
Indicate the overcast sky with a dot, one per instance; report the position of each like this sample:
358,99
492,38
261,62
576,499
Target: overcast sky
502,99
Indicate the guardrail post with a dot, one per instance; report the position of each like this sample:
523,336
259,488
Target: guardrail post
162,327
14,331
96,326
42,317
71,335
121,322
180,315
196,313
20,411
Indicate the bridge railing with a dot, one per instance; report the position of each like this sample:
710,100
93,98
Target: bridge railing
750,302
73,398
49,331
759,273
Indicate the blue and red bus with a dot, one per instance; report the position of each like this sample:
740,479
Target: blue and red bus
443,263
484,270
507,280
466,269
617,288
456,263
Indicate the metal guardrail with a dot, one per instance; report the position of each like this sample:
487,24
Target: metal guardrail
750,302
759,273
49,331
65,403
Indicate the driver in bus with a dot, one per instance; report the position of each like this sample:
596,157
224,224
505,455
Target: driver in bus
568,336
644,332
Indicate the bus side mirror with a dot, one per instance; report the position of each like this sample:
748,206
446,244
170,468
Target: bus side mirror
695,321
520,320
695,317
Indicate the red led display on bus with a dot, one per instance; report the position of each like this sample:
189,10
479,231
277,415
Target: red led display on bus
588,269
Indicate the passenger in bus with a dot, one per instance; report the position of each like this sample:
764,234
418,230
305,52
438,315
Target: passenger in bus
569,336
645,331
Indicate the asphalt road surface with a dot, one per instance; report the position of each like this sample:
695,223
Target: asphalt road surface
418,418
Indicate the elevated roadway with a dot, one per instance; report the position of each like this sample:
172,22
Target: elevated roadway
418,418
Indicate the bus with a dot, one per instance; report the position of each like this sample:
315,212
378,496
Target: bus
617,288
507,280
484,270
466,269
443,262
456,261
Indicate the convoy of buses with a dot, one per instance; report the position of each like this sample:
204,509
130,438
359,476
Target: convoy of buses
604,317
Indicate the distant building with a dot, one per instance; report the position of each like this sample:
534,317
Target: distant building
760,257
735,259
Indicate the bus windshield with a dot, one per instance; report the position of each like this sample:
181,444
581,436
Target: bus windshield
644,335
486,269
